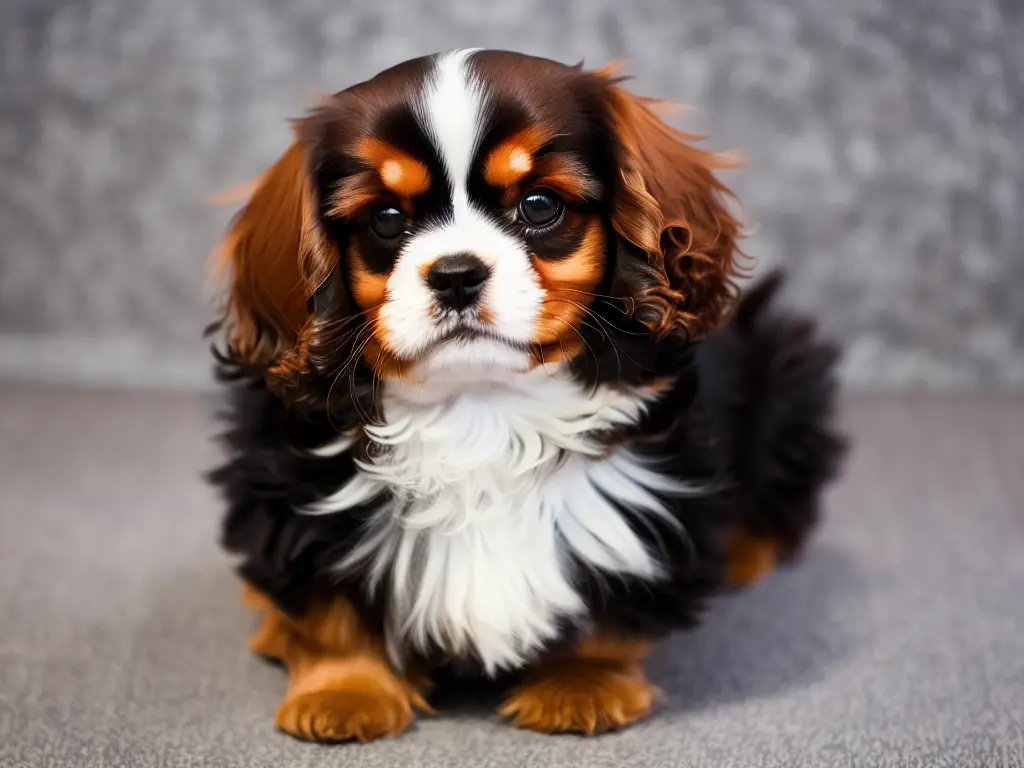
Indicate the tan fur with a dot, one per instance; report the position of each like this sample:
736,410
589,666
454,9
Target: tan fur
670,204
509,162
595,687
749,559
273,257
369,288
340,684
569,284
507,165
401,173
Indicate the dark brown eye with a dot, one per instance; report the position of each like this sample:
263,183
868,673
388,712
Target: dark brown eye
540,208
387,222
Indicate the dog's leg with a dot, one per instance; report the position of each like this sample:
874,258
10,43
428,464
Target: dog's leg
749,558
340,683
597,686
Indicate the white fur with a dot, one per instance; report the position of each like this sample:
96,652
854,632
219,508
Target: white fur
334,448
451,107
493,491
451,110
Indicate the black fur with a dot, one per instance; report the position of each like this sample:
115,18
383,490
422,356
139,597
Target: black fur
769,388
748,416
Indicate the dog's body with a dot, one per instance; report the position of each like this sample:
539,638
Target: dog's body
535,459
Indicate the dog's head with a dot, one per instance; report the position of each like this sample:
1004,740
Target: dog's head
469,216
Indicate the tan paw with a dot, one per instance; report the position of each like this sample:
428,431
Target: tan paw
340,701
589,699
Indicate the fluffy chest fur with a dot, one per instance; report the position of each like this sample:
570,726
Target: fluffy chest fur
496,497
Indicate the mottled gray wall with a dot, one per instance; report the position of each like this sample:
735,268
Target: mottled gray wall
884,141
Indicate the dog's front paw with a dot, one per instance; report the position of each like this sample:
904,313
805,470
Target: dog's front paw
587,698
345,699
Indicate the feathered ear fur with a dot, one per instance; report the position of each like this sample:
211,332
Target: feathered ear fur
671,211
273,257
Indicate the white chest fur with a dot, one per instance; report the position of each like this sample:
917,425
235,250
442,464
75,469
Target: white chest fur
494,491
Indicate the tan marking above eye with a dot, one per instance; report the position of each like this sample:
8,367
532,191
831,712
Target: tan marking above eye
511,161
507,165
399,171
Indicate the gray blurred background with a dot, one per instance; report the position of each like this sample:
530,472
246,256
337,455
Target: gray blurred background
884,145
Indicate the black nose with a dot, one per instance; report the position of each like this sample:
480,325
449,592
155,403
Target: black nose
456,280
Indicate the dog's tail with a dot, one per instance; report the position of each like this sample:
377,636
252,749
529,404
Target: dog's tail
769,385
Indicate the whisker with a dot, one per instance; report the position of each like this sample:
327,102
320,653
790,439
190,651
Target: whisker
615,346
376,377
336,323
577,330
623,331
363,415
611,299
586,313
343,340
347,367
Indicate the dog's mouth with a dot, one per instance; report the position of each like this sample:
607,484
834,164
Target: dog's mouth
464,355
466,334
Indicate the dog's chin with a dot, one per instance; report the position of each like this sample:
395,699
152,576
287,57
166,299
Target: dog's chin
462,364
474,359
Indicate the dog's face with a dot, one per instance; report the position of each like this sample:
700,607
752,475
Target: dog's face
471,216
465,193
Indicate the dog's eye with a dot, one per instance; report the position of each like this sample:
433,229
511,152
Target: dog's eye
540,208
388,222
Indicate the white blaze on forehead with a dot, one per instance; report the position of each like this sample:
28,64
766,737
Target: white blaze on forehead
451,108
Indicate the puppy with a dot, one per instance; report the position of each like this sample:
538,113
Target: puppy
495,409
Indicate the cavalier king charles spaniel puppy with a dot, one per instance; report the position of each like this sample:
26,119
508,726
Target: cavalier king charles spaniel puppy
496,408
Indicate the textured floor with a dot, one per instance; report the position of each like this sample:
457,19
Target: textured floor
899,641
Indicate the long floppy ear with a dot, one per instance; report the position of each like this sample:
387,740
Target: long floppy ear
672,212
274,256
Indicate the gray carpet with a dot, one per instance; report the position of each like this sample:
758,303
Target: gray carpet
898,641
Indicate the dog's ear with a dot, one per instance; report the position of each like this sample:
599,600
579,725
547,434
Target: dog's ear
273,258
678,256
